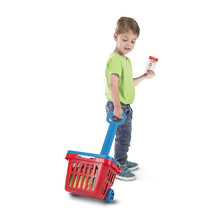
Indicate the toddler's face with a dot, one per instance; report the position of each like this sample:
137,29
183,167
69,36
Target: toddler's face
125,42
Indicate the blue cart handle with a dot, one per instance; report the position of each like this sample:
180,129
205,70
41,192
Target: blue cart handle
110,134
113,122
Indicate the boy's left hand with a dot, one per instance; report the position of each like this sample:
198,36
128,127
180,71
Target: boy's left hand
149,74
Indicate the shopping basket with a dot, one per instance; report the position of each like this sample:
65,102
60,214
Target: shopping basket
92,175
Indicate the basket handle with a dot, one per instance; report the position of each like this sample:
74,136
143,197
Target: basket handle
114,122
110,134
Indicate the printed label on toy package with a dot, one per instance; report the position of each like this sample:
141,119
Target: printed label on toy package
151,63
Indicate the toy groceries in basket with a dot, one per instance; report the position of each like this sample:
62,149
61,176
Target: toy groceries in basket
92,175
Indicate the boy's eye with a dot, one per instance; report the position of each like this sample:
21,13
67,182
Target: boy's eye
125,40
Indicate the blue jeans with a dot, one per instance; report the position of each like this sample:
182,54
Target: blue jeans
123,133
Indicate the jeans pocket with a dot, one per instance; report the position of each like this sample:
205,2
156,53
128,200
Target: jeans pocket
126,109
109,107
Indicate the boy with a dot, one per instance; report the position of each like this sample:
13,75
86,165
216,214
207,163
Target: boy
120,90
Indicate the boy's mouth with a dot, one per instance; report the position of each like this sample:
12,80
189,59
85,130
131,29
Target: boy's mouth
127,49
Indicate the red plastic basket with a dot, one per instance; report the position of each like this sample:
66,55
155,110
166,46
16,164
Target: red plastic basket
91,177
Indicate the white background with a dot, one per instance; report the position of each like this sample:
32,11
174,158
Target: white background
53,57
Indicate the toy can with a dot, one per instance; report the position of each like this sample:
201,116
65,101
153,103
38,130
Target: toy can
151,63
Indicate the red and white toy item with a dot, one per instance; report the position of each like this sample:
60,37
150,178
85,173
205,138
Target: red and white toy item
151,63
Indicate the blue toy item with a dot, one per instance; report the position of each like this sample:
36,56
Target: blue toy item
93,176
111,133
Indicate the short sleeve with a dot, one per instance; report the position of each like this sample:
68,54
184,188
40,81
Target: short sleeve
115,66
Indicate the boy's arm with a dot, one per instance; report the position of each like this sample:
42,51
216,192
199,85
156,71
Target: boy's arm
149,74
113,81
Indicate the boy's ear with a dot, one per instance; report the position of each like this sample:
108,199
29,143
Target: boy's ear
115,37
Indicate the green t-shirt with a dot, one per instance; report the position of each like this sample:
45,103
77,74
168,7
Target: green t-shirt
122,67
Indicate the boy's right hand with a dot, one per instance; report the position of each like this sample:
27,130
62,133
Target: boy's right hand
118,112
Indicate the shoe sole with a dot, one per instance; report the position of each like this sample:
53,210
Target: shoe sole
134,168
125,178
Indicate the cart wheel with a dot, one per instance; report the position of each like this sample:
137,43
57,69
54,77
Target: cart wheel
72,194
109,195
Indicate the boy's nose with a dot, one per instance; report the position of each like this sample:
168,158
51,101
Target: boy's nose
128,44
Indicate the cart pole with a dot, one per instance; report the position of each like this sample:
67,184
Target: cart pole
111,134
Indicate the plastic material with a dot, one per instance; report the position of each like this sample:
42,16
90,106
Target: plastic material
93,176
110,195
94,155
111,133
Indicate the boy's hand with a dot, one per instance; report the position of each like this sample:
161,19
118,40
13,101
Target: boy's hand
149,74
118,112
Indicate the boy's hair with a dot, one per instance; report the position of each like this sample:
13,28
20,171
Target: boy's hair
125,24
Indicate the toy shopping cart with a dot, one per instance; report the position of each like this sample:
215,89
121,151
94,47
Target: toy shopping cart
92,175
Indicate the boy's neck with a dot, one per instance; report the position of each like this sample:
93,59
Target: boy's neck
120,53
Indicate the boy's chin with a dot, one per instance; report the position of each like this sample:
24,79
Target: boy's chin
126,51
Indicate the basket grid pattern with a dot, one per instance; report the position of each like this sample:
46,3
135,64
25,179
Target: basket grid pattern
83,176
89,177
